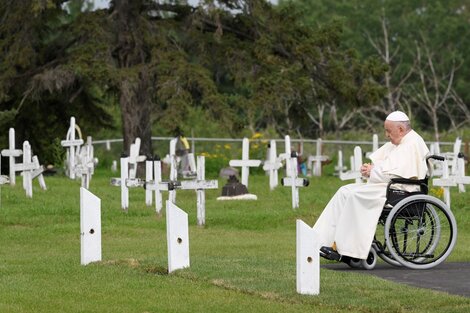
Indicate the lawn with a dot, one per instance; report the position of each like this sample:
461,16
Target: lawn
242,260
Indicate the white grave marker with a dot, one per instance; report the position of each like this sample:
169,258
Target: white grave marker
12,153
124,177
90,227
149,172
340,168
308,260
134,158
445,181
273,164
356,163
72,145
177,235
245,163
317,159
375,144
293,181
30,169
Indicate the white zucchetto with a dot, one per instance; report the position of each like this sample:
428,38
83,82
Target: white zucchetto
397,116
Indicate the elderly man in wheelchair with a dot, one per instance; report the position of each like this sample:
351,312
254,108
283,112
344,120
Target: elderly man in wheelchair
390,216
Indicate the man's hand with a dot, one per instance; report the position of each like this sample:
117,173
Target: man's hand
365,169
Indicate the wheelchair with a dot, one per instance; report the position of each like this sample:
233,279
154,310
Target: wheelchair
415,230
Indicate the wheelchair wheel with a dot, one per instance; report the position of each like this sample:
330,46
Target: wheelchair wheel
420,232
371,260
354,263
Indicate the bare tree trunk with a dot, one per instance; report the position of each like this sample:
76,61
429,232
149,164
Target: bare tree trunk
135,114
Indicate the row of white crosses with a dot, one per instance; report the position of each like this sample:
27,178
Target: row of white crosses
80,160
273,164
154,184
30,168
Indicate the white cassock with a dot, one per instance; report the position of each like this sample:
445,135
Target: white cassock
350,218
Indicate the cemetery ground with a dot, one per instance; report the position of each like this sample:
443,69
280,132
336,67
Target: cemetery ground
242,260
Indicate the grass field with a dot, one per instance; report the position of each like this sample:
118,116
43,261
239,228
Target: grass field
243,260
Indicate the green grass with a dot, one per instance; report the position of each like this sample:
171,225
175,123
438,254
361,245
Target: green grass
243,260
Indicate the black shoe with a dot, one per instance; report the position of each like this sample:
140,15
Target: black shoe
329,253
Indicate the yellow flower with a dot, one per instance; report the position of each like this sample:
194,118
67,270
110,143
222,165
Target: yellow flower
227,146
257,135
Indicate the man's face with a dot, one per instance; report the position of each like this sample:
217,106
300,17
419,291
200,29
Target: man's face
394,131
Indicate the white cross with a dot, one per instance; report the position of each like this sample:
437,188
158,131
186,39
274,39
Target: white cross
356,163
460,177
85,166
11,153
245,163
317,159
200,184
30,169
293,181
272,164
340,168
72,145
445,181
375,144
287,152
135,158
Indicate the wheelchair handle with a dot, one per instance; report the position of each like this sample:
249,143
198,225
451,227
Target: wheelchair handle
435,157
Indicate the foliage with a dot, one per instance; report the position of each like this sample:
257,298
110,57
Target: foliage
433,88
246,64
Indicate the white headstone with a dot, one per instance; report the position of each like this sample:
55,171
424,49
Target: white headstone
177,237
308,260
90,227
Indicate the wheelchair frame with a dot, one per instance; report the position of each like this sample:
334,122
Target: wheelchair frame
415,230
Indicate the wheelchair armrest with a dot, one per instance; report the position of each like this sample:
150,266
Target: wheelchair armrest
408,181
